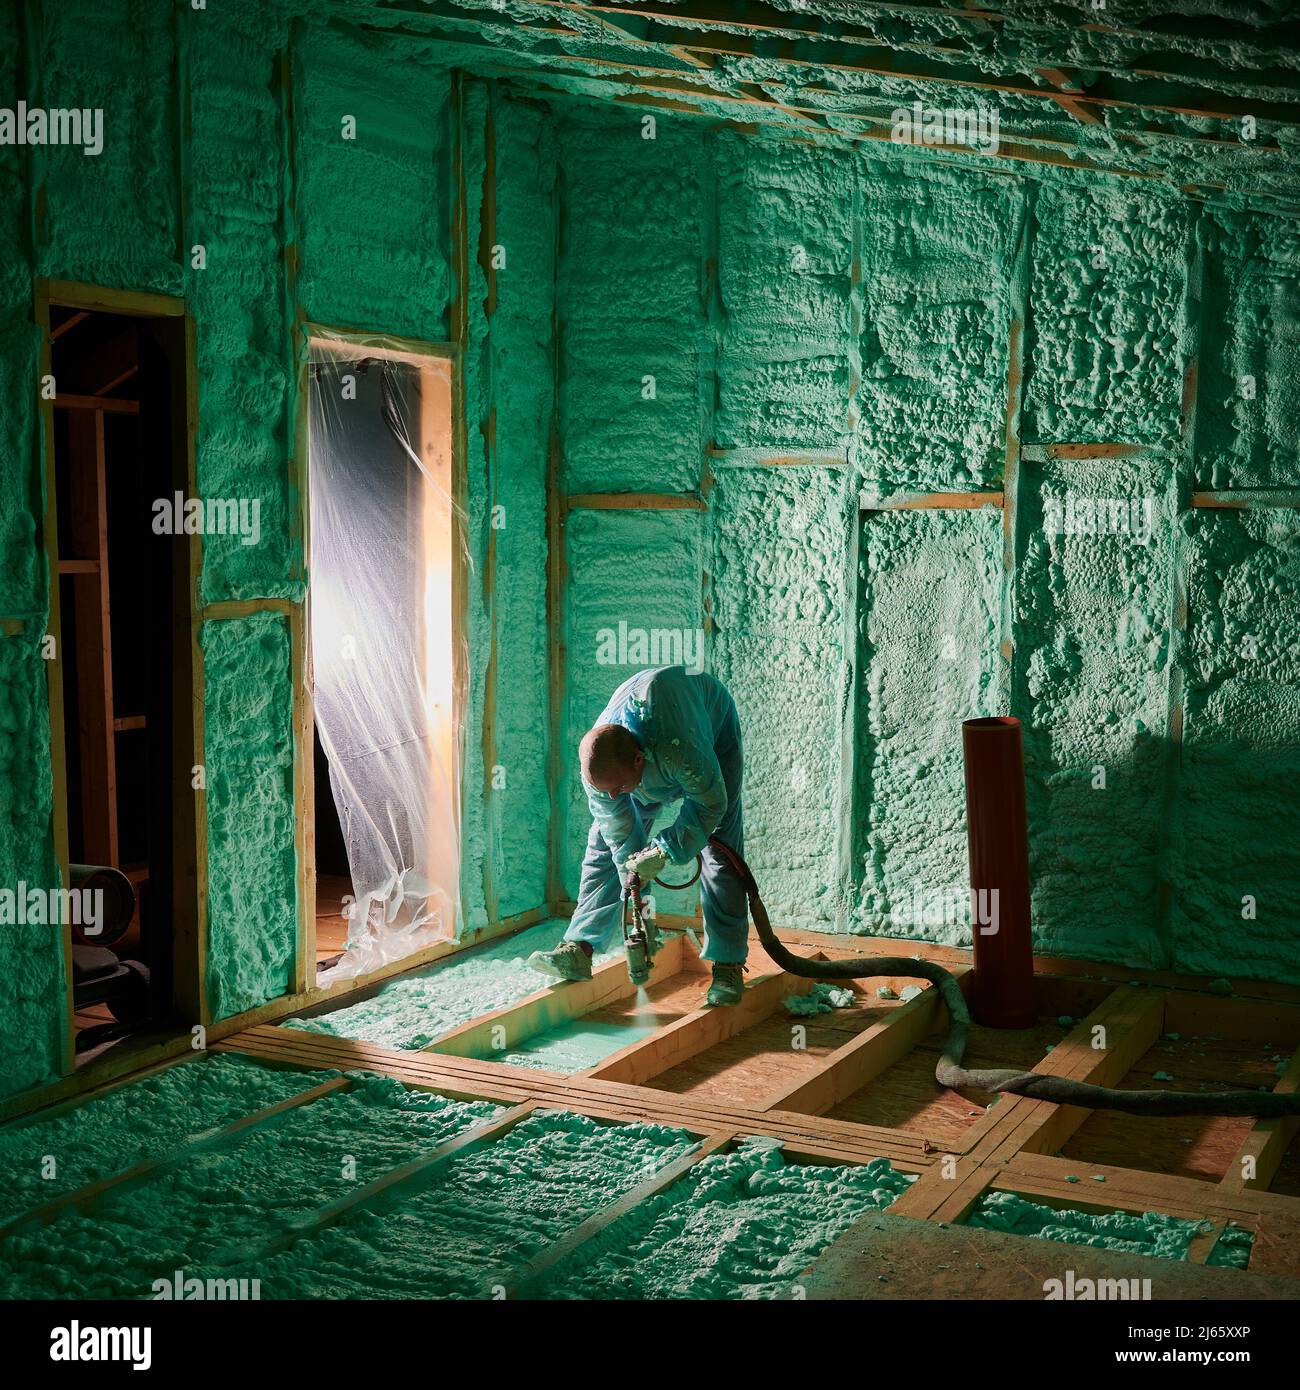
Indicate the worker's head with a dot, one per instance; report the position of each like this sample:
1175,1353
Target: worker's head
611,759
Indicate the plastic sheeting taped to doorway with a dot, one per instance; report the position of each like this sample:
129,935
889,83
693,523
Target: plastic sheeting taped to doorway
388,665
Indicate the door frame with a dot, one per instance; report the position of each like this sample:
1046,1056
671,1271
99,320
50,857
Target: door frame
398,347
189,840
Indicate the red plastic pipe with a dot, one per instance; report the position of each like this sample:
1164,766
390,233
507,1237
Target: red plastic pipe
1002,987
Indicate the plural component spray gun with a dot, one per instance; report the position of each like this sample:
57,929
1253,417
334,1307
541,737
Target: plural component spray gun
642,935
640,932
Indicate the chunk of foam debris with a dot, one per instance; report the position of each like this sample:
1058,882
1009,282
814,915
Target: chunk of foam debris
1162,1076
884,992
820,999
1065,1021
910,992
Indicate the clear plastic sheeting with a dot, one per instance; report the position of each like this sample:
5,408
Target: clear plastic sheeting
386,539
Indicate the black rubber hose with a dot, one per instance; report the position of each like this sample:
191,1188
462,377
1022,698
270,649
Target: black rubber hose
1059,1090
699,869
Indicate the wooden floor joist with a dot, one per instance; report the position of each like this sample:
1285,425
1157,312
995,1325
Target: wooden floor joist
89,1196
862,1058
946,1191
665,1078
417,1170
1130,1020
521,1283
495,1032
1257,1160
697,1031
1010,1149
464,1078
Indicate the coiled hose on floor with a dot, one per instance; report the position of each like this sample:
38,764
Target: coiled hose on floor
950,1073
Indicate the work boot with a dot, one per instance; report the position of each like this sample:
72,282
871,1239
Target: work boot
728,984
567,962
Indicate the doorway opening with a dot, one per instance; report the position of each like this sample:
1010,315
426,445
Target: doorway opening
386,542
119,437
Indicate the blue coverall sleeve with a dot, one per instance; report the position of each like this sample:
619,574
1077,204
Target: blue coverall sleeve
620,825
694,766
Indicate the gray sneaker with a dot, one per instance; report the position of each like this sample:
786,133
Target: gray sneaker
728,984
567,962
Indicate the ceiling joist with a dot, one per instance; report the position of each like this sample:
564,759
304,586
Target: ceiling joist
810,72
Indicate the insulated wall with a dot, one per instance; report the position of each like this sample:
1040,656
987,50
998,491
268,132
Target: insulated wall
929,603
770,400
509,405
276,168
954,430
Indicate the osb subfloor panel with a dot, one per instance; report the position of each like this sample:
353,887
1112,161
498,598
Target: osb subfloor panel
769,1056
1190,1146
906,1095
885,1257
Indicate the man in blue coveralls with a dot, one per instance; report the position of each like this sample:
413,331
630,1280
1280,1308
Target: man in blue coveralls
666,735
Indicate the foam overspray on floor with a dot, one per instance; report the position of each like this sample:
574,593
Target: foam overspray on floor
577,1044
743,1224
413,1010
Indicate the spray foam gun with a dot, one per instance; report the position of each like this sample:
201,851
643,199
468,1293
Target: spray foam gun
642,935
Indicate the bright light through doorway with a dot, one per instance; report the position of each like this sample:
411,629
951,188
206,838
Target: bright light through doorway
384,542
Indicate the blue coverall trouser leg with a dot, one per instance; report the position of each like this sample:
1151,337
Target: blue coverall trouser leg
722,895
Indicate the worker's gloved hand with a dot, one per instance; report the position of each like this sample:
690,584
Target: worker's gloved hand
647,863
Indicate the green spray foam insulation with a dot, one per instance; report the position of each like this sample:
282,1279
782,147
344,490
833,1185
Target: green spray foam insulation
822,998
140,1120
410,1012
509,392
778,581
930,584
32,984
1239,819
1092,624
744,1224
779,296
1252,296
252,895
1152,1233
484,1215
575,1045
223,1203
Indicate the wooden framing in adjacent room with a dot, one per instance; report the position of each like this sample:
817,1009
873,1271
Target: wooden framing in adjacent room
189,840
